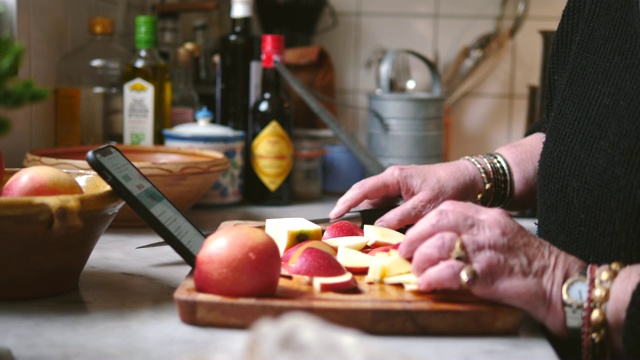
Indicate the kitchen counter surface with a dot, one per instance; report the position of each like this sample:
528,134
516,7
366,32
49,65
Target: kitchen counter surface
123,309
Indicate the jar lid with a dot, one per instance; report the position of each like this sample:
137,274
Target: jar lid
201,131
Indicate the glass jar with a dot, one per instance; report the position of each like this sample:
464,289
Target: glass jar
307,169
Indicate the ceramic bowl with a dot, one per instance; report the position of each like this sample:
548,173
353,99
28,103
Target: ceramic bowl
45,241
182,175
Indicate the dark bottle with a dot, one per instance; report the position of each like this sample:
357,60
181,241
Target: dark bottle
236,52
268,179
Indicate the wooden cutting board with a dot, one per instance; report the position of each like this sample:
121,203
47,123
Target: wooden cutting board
374,308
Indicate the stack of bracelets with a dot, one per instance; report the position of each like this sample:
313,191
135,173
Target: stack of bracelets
594,324
496,177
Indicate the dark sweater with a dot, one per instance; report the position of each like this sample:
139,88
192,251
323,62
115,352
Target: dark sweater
589,175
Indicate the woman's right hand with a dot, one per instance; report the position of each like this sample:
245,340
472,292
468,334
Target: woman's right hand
421,187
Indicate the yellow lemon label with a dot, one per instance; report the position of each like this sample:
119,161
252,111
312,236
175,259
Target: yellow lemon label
272,155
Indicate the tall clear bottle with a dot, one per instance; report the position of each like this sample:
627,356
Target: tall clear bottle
184,99
204,74
88,94
268,179
147,88
236,52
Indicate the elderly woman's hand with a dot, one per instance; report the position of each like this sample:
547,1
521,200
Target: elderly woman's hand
422,187
497,259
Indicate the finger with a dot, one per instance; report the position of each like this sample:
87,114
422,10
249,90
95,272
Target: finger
433,251
377,187
408,213
442,276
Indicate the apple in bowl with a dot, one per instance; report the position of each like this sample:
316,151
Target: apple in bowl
41,181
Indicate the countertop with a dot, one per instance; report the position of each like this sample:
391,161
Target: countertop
123,309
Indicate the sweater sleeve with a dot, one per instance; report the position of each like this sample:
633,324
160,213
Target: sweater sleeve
631,334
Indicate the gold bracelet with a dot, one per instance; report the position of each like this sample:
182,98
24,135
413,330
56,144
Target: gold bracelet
597,317
482,197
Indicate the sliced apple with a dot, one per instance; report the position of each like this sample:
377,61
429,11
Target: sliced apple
377,269
396,264
353,260
382,236
353,242
342,282
375,250
404,279
290,256
315,262
287,232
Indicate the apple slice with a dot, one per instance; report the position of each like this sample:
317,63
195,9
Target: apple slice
404,279
315,262
342,228
287,232
290,256
353,242
353,260
382,236
377,269
373,251
342,282
396,264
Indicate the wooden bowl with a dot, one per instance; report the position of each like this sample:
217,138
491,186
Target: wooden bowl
45,241
182,175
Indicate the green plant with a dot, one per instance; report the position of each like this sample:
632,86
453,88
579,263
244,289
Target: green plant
14,92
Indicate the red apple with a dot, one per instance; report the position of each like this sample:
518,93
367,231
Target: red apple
315,262
41,181
353,242
383,249
238,261
353,260
342,228
290,256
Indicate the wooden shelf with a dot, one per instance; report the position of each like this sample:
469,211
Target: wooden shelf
178,8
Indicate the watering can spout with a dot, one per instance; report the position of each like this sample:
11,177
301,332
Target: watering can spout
371,164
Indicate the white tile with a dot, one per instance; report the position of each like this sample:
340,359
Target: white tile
391,33
469,7
352,115
340,44
478,125
517,126
344,5
528,54
546,8
412,7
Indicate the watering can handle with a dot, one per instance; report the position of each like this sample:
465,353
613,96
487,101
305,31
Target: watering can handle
386,64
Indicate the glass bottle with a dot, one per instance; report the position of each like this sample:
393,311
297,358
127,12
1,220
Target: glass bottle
184,99
271,150
147,88
236,52
88,94
204,74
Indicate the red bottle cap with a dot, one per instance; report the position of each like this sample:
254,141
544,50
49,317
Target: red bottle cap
272,49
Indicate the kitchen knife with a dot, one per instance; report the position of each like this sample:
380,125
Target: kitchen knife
358,217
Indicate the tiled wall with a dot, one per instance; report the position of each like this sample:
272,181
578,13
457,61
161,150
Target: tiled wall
492,114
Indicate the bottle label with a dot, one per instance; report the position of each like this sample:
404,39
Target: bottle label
138,112
272,155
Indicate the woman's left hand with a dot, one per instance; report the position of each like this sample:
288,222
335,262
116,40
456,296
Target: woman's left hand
500,260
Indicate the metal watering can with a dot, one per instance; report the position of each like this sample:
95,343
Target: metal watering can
398,119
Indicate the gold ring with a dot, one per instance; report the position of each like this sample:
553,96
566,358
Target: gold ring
468,276
458,252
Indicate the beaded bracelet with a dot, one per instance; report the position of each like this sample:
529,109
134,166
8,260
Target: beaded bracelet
597,306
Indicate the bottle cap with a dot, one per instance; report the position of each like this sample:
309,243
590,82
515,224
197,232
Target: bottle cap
272,49
145,32
100,25
240,9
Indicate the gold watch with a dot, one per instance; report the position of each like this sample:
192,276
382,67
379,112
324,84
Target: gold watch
575,292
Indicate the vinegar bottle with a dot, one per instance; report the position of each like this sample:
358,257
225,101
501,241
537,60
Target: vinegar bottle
88,96
147,88
270,150
236,53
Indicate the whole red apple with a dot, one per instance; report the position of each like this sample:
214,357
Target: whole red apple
41,181
342,228
238,261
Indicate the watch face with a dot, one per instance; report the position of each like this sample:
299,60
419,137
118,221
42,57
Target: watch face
576,291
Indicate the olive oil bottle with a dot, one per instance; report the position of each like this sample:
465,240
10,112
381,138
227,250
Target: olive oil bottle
147,88
268,179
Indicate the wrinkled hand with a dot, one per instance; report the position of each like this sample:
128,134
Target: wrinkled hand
513,266
422,187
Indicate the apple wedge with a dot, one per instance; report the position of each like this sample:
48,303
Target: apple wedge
404,279
287,232
382,236
353,242
290,256
353,260
315,262
396,264
377,268
342,282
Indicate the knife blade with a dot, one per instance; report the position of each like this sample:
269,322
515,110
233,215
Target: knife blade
358,217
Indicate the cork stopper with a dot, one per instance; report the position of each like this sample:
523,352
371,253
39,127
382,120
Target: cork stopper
100,25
